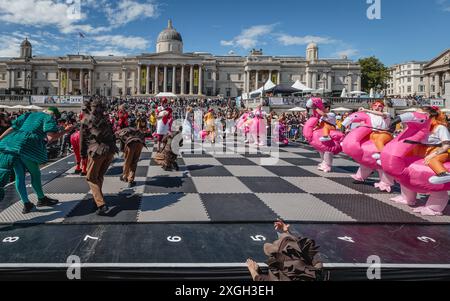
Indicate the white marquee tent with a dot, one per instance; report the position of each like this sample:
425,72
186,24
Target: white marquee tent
267,86
299,86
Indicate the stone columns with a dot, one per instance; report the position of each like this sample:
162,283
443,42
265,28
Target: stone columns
279,77
200,80
191,81
437,83
270,75
174,79
165,79
139,80
358,83
147,81
67,81
183,82
81,81
256,79
330,81
214,82
350,83
156,79
90,80
427,86
124,81
314,80
309,79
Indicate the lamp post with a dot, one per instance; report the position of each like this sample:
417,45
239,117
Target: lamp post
28,84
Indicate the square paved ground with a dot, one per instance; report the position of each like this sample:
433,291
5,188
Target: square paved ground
217,183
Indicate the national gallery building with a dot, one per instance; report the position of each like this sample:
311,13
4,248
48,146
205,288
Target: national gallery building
171,70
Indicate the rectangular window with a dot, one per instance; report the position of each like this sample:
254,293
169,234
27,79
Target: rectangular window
209,75
120,91
228,76
120,77
98,75
35,75
57,75
46,91
217,76
409,79
3,76
421,79
19,74
128,75
228,92
128,91
46,75
97,91
409,89
240,76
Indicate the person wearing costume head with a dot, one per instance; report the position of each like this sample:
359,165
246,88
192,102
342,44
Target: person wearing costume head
98,144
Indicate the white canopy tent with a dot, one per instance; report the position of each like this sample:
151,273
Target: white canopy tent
372,93
344,93
341,109
4,107
299,86
19,107
409,110
267,86
321,91
297,109
358,93
166,94
34,107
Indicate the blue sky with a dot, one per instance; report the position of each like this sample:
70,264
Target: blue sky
407,30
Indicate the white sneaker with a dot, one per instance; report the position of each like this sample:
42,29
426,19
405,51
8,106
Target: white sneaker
436,180
324,139
376,156
379,162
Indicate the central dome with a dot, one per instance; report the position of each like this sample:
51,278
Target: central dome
169,34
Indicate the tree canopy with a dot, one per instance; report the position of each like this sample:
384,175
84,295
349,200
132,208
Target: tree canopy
374,73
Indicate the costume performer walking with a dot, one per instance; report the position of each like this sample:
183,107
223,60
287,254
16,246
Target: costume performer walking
23,148
133,141
98,145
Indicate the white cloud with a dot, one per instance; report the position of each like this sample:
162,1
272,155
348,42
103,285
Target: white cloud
10,43
444,4
38,13
121,41
288,40
250,37
350,52
128,11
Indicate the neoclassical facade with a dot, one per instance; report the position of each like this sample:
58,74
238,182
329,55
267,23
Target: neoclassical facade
169,69
437,76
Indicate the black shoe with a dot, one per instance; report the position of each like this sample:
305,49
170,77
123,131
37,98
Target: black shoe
83,174
358,182
47,202
28,207
122,179
102,211
77,171
177,168
131,184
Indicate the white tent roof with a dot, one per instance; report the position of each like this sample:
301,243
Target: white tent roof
358,92
344,93
34,107
4,107
267,86
341,109
166,94
19,107
297,109
298,85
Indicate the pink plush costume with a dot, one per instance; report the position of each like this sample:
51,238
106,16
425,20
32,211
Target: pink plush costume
411,172
312,134
258,128
357,144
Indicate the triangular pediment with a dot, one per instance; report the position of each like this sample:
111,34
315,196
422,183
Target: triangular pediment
443,60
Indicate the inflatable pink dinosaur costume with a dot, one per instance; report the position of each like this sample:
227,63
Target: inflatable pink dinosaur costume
313,133
411,172
357,144
258,127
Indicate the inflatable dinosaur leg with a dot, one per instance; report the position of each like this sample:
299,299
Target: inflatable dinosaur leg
386,182
362,174
435,205
408,197
6,163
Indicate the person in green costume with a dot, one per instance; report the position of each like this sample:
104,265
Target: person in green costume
23,148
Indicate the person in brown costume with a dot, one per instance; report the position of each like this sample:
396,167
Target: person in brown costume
133,141
167,158
98,144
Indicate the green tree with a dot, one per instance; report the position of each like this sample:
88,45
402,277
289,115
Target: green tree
374,73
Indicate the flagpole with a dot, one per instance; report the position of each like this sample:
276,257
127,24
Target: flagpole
78,43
